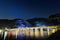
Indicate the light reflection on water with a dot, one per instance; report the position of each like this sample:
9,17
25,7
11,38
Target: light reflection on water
20,37
32,32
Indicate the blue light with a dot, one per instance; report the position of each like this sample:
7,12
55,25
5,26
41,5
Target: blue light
40,24
22,23
37,23
20,37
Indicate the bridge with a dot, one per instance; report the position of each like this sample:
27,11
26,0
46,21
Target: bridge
31,31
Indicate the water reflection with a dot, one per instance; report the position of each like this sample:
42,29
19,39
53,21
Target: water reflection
20,37
26,33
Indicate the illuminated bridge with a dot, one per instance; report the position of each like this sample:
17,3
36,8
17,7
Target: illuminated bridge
31,31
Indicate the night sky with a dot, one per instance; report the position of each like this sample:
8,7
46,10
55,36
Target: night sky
27,9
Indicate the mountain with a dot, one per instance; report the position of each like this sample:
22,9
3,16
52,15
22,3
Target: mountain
39,21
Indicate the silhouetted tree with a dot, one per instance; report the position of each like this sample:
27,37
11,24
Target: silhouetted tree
55,19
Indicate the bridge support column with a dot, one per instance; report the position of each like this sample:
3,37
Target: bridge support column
17,30
41,30
36,32
31,32
27,32
48,31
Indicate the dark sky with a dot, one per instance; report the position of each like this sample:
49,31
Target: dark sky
26,9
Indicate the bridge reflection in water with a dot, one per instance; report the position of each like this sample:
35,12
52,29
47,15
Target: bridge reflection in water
30,32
